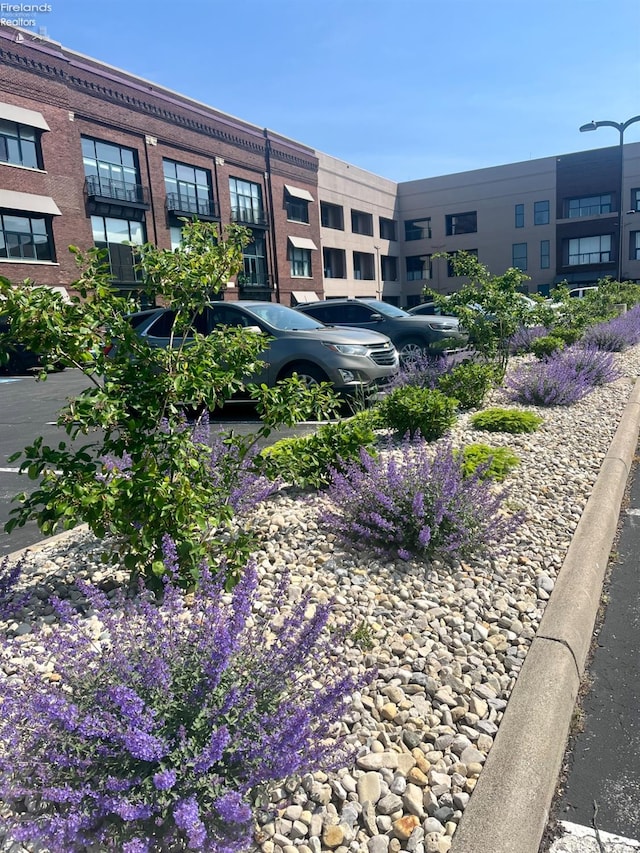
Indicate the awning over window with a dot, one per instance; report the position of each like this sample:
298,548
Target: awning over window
28,202
21,116
302,243
297,192
304,296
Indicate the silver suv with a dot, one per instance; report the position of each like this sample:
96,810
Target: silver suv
349,358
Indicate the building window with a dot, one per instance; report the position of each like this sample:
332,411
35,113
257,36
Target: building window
461,223
389,268
116,236
541,213
545,254
590,250
334,263
635,245
26,237
331,216
188,189
388,229
417,229
418,267
362,223
246,202
519,215
451,273
635,200
589,205
175,232
20,145
300,261
363,266
297,204
519,256
254,259
111,171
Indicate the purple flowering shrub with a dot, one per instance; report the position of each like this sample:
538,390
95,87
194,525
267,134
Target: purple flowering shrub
421,371
157,730
617,334
416,503
9,575
562,378
523,337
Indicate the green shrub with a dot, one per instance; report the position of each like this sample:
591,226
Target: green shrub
308,460
418,410
495,462
468,383
506,420
567,334
546,345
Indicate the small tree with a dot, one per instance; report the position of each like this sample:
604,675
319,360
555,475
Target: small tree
145,472
489,306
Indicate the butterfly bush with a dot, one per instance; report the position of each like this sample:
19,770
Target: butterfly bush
416,503
563,378
617,334
160,722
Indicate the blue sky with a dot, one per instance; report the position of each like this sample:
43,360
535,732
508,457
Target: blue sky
403,88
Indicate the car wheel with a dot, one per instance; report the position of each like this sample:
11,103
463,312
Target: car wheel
411,348
308,373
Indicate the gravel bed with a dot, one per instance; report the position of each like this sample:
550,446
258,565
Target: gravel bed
448,641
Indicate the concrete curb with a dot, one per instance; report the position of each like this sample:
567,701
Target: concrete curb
46,543
509,808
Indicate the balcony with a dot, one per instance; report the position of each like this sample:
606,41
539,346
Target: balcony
181,205
106,196
249,216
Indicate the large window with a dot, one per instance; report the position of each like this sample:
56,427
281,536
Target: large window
296,203
188,189
300,262
519,216
541,213
461,223
591,205
389,268
362,223
417,229
519,256
254,259
363,266
25,237
334,263
418,267
246,202
388,228
111,170
116,236
331,216
545,254
590,250
19,145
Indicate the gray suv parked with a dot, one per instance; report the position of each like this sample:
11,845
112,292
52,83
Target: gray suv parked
349,358
411,335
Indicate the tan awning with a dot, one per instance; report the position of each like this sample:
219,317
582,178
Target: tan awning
297,192
302,243
21,116
304,296
11,200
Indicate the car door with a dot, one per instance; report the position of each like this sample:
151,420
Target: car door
224,314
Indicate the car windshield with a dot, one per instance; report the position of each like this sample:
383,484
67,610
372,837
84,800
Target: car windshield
283,318
385,309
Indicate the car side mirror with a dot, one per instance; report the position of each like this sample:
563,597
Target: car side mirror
255,329
375,317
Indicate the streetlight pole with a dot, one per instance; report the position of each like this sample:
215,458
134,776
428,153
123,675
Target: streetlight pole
620,127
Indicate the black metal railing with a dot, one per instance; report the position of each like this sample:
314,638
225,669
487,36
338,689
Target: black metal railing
117,191
181,205
249,216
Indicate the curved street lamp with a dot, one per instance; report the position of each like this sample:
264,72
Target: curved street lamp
620,127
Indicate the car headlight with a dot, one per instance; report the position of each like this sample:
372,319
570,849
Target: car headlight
347,349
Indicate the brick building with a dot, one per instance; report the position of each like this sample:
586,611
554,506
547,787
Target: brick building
91,155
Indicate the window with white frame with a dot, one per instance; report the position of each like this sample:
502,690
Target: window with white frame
589,250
